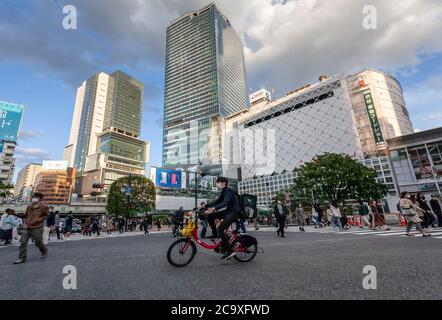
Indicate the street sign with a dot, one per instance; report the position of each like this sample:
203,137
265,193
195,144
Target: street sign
10,119
374,121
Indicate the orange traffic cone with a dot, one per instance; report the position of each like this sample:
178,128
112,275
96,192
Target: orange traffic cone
357,221
351,221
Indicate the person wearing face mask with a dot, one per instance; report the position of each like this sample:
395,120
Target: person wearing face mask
410,212
35,216
229,200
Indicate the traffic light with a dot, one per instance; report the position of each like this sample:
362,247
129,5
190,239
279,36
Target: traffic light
98,185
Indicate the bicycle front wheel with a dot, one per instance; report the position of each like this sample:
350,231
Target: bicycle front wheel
181,252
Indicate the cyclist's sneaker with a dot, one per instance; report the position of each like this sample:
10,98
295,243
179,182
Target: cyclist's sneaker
228,255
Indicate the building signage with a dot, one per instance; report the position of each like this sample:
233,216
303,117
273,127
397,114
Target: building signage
1,147
54,165
10,119
377,133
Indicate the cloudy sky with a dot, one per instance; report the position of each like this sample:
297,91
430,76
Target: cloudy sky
288,43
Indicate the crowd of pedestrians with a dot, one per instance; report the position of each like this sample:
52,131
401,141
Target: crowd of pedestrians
333,215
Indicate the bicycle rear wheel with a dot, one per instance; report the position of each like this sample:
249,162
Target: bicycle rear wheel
249,248
181,252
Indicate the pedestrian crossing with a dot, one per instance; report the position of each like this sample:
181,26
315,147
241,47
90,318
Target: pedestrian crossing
79,237
436,233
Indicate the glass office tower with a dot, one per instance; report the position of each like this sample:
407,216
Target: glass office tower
205,82
104,143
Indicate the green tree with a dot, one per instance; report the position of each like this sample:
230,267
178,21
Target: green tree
142,198
5,190
336,177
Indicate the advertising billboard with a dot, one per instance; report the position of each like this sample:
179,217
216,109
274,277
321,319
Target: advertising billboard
10,119
206,183
168,178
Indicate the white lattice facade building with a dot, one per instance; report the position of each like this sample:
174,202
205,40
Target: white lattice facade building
271,139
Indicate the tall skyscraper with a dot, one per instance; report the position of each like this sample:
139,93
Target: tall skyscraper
104,142
205,82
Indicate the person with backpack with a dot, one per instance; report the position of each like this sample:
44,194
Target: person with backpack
280,215
230,200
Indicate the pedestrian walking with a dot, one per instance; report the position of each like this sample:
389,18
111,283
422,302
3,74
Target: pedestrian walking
35,215
7,225
364,212
430,219
378,220
436,207
145,225
109,225
204,221
68,224
87,227
280,214
95,229
344,219
50,223
121,225
410,212
336,216
329,216
56,227
177,221
300,216
159,224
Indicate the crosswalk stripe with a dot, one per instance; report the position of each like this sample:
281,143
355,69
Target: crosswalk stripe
414,232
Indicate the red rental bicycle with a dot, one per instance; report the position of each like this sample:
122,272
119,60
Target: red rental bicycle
182,251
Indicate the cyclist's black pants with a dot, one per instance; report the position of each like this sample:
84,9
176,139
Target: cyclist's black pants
228,218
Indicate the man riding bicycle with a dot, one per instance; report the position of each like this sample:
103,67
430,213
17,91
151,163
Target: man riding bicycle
229,200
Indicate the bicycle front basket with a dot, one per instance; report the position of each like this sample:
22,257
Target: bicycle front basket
188,228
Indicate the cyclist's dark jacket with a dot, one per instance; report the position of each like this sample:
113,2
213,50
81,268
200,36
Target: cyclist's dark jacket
228,199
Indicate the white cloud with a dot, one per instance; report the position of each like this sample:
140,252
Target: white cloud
287,43
21,153
424,101
27,135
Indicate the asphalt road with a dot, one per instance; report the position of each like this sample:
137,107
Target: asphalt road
300,266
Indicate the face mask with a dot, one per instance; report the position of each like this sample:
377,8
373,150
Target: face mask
35,200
